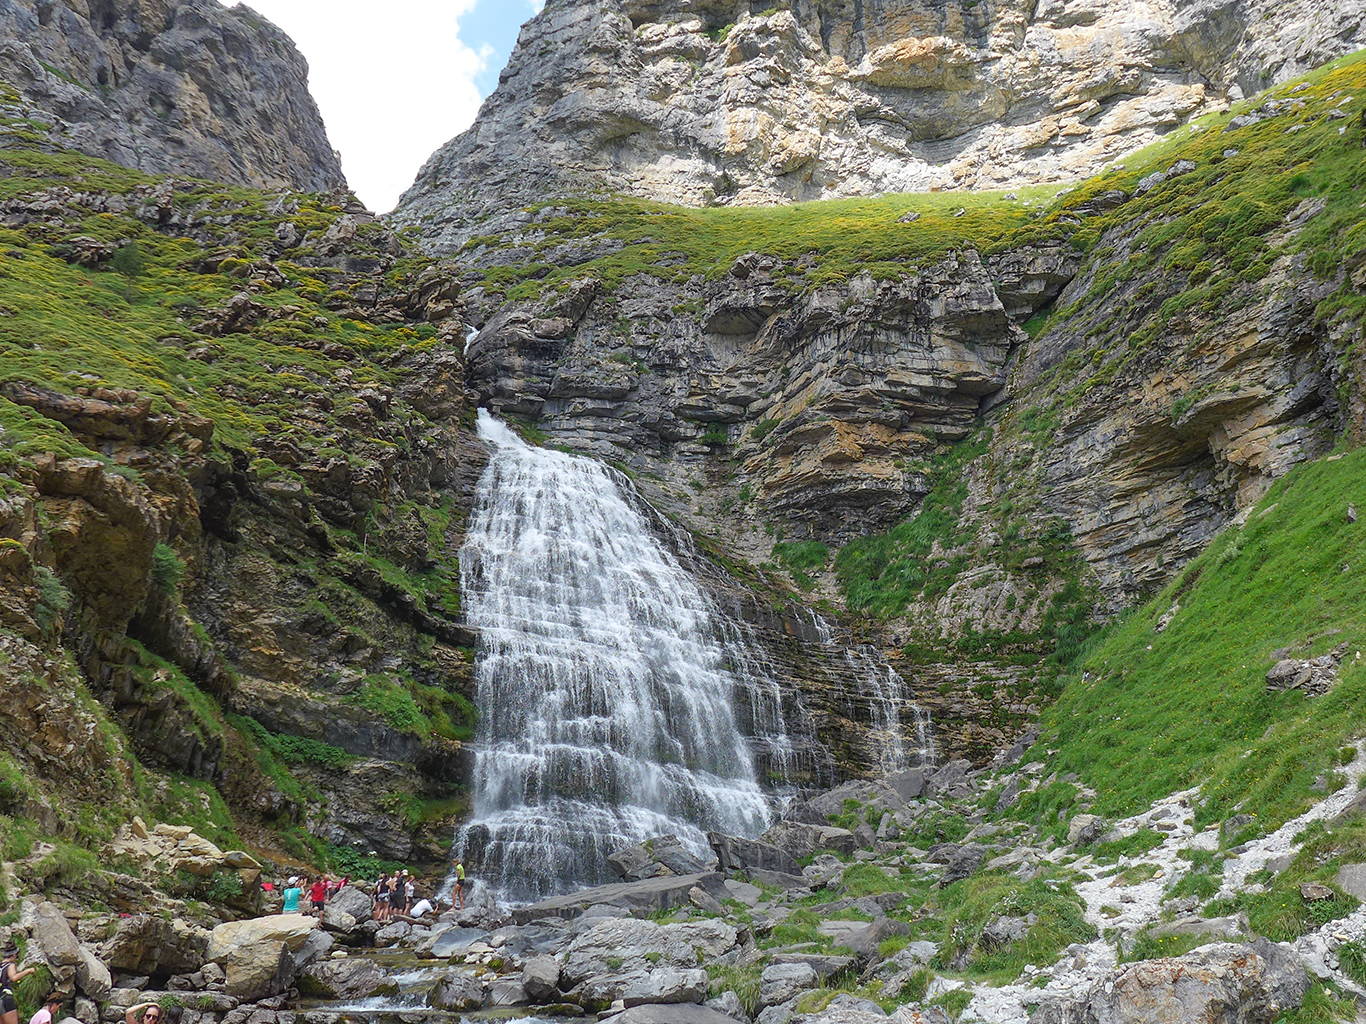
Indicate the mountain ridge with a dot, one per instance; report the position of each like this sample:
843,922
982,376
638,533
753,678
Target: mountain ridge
725,103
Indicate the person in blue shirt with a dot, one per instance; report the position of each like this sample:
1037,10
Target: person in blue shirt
292,895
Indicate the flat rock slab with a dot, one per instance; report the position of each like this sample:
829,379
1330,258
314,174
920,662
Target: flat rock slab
671,1013
1352,879
650,894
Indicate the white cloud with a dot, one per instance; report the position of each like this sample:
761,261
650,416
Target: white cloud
392,86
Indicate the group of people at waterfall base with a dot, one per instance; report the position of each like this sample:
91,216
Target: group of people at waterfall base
394,895
393,898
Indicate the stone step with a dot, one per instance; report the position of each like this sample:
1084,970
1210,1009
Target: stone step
658,893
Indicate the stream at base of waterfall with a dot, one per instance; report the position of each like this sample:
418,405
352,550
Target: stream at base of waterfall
616,702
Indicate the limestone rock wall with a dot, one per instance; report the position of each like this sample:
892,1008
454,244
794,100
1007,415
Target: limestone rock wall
738,102
171,87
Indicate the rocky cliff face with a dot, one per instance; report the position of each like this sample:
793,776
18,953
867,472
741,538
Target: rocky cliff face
987,433
227,539
724,102
170,87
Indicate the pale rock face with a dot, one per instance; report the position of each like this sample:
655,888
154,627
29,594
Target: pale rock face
704,102
171,87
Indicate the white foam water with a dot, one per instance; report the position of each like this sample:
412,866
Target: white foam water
605,698
616,701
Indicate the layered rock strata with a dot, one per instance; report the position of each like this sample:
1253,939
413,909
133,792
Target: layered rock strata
722,102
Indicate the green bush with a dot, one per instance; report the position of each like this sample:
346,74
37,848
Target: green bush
221,886
167,568
54,600
64,865
128,260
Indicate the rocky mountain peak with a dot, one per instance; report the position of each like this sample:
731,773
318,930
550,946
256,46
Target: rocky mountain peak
171,87
724,102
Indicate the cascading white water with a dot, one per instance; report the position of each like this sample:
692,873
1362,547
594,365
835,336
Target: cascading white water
886,694
605,687
617,702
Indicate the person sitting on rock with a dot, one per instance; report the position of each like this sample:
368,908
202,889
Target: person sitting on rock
10,976
52,1005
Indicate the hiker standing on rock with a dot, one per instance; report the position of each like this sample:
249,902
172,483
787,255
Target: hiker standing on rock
459,881
10,975
318,894
382,899
292,895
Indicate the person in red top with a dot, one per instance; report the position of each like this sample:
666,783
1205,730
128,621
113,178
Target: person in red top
318,894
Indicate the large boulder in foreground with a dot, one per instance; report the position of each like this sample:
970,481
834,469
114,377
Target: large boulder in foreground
626,945
231,939
260,970
351,978
1222,983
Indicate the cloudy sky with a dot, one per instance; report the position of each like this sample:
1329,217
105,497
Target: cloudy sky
394,87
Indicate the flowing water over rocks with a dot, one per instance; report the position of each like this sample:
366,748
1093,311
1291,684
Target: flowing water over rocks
607,693
619,702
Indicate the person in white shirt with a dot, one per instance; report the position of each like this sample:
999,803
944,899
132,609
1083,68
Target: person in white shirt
422,906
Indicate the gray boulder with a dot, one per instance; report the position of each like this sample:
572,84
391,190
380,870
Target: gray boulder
541,979
672,1013
393,932
1352,880
736,854
663,855
350,900
457,992
507,992
909,785
780,982
1222,983
258,971
93,977
951,780
1002,931
318,944
1085,829
959,861
728,1003
862,937
622,945
666,985
54,938
351,978
799,840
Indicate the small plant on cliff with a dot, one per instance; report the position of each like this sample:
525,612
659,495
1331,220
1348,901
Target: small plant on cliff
54,600
167,568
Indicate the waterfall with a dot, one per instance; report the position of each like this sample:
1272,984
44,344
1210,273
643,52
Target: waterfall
605,687
617,701
887,696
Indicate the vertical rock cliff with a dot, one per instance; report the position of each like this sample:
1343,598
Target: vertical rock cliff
171,87
736,102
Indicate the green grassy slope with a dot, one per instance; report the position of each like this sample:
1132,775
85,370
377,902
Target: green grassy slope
1150,711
